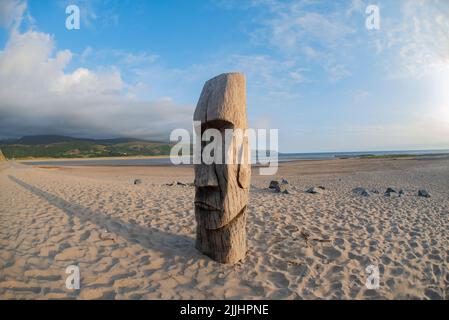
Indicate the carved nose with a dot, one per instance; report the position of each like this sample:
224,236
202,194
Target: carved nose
206,176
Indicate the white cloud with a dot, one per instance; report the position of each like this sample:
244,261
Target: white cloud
266,76
95,14
413,40
356,6
87,9
293,24
417,41
12,13
83,82
319,33
38,96
337,72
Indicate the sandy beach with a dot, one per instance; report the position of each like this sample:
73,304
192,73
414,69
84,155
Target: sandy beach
137,241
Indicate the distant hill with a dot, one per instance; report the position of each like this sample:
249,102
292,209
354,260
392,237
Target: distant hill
54,146
44,139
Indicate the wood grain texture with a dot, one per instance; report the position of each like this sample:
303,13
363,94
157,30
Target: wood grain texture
221,189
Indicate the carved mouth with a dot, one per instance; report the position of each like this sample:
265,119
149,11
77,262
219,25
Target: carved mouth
208,198
205,206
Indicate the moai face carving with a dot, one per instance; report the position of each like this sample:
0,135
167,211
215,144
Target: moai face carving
222,191
221,187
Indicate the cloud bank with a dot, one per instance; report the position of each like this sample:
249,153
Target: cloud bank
38,95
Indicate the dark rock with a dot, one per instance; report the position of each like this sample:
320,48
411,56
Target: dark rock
401,193
389,192
274,184
314,190
279,187
282,188
361,191
137,181
423,193
178,183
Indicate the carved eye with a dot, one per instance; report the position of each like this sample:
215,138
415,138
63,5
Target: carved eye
205,176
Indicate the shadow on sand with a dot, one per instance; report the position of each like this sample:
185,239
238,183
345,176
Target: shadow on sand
171,245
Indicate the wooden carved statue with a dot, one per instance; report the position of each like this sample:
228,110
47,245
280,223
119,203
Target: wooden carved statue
221,189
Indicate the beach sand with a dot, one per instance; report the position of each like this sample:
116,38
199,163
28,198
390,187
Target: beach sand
137,241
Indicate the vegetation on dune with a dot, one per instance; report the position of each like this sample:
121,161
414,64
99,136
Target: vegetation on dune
387,156
69,147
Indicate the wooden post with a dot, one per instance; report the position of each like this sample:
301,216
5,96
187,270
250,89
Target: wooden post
221,189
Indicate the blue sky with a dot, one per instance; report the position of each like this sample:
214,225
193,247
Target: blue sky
314,71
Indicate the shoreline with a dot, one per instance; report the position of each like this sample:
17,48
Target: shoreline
122,162
87,159
299,168
283,157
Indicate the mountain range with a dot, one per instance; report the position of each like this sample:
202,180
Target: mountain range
55,146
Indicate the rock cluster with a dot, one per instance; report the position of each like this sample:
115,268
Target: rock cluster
423,193
390,192
361,192
279,187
